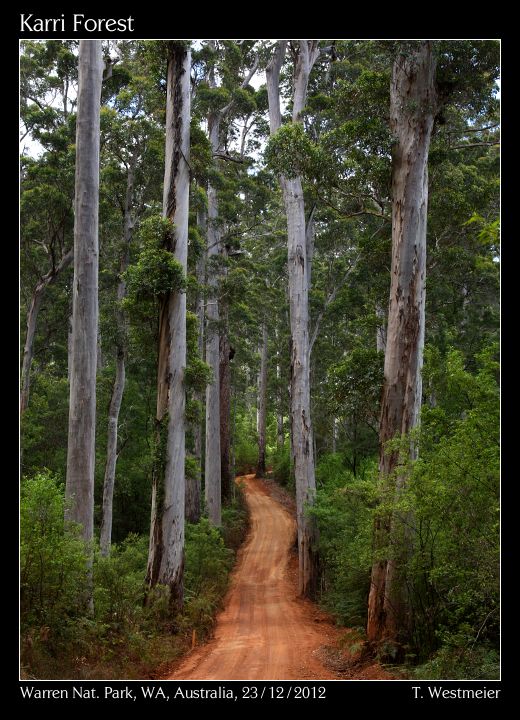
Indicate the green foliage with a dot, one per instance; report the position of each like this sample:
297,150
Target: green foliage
44,425
290,151
118,584
207,565
455,492
235,521
200,160
281,461
245,443
156,271
344,517
53,561
207,560
125,638
460,662
197,374
211,99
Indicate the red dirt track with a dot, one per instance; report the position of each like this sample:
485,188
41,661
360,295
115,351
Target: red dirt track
265,632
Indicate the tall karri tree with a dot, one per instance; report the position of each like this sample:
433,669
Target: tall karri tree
79,489
166,553
299,280
413,106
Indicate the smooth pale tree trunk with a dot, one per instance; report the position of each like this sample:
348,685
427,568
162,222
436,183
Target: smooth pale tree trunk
334,435
193,484
99,353
381,329
299,254
32,317
105,536
225,406
280,435
262,403
279,430
166,555
79,487
233,435
412,110
212,468
279,415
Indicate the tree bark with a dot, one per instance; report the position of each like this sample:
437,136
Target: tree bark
212,469
381,329
262,403
79,488
279,415
225,406
334,434
105,537
193,485
166,556
32,317
412,111
298,269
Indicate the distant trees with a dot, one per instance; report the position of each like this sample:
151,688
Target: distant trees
47,201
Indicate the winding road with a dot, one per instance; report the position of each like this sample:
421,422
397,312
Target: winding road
265,631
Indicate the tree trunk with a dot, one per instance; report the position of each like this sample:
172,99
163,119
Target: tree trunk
166,557
262,403
412,111
105,537
69,346
279,414
212,470
225,407
32,318
381,329
99,353
298,269
79,488
334,434
300,386
193,485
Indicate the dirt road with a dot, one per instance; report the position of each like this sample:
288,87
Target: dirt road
265,632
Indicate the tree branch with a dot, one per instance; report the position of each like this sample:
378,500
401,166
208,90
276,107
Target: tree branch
251,72
330,299
473,145
474,130
272,73
230,158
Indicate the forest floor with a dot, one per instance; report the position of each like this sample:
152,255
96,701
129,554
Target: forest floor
265,631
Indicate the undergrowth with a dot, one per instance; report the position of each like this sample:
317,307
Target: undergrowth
125,638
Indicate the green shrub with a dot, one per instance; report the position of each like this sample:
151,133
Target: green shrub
282,466
235,522
124,638
344,519
207,559
119,583
53,563
246,454
459,662
207,566
454,490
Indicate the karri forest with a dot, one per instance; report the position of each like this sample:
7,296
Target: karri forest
259,387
